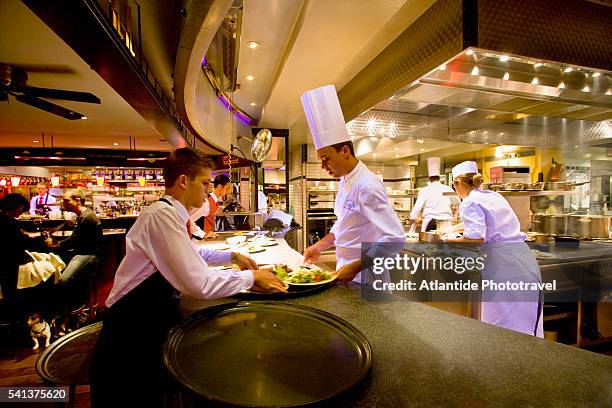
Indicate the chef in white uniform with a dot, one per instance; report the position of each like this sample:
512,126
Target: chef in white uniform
489,219
362,208
437,209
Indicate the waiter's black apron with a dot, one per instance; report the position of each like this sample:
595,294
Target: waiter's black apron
127,365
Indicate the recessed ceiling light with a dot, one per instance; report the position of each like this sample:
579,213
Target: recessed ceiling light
422,150
396,148
474,71
373,154
534,81
506,76
115,144
250,77
34,141
504,58
420,141
253,104
84,117
537,65
568,69
253,45
576,146
397,155
596,74
469,52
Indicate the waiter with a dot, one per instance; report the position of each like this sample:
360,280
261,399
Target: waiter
437,208
221,187
362,208
39,204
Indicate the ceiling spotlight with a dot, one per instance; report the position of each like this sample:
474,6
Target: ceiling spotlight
474,71
576,146
253,45
420,141
596,74
250,77
253,104
469,52
396,156
504,58
442,67
373,154
84,117
396,148
561,85
34,141
506,76
586,89
422,150
115,144
534,81
537,65
568,69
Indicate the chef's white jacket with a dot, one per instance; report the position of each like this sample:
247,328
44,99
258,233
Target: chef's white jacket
158,241
433,204
363,215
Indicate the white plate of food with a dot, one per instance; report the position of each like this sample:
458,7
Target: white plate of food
304,275
255,249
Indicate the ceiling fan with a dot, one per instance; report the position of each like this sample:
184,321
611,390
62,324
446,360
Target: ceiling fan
13,81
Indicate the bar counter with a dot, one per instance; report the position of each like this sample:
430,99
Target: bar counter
429,358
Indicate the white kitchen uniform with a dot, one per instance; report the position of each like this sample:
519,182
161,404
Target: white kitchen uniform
363,215
487,215
433,204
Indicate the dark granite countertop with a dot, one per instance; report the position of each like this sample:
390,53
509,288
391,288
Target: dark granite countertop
425,357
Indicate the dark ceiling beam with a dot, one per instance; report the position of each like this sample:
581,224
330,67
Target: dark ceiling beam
84,27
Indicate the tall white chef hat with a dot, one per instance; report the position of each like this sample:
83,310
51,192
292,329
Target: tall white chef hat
433,166
464,168
324,116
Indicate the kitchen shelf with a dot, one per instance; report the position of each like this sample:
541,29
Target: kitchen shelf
540,193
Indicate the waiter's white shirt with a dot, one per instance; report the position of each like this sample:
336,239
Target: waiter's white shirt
433,204
158,241
34,201
363,215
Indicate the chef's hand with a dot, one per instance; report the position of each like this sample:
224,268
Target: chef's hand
264,280
211,235
312,254
348,272
243,261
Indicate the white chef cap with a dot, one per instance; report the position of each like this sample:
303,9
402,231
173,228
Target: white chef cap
433,166
464,168
324,116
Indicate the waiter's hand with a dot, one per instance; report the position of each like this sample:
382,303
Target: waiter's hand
312,254
243,261
211,235
348,272
264,280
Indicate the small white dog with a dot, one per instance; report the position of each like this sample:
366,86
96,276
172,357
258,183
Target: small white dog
39,329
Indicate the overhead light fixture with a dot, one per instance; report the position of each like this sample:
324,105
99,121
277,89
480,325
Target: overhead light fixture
115,144
55,181
373,154
3,182
596,74
504,58
253,45
396,148
422,150
537,65
34,141
534,81
420,141
250,77
469,52
568,69
84,117
506,76
253,104
474,71
576,146
442,67
609,92
396,156
586,89
561,85
15,180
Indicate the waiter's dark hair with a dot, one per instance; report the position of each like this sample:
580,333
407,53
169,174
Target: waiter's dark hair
13,201
434,178
338,146
221,179
187,161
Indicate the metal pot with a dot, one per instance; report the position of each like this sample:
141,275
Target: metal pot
537,222
589,226
562,185
429,236
555,225
534,186
514,186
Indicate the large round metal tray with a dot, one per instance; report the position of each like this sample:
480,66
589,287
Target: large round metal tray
66,361
266,354
292,292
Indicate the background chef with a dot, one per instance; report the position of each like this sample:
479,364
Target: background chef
40,203
362,208
438,210
488,219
